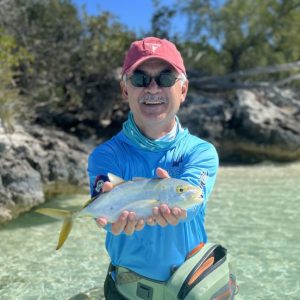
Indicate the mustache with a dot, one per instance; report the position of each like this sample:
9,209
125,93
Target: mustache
153,98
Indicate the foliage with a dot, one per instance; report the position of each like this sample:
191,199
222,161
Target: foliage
234,35
161,21
67,49
10,57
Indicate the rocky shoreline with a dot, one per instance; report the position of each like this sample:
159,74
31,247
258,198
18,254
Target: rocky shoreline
246,126
34,161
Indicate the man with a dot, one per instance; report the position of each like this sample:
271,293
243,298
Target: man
152,143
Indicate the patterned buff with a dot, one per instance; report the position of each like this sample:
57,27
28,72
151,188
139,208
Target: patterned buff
133,133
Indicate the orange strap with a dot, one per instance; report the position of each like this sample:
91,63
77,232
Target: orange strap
195,250
209,262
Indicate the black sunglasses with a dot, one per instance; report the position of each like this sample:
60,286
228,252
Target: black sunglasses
163,79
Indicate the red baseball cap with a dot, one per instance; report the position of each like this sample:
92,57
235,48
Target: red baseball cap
152,47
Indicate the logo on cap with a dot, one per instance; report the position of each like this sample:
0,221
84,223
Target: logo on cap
152,46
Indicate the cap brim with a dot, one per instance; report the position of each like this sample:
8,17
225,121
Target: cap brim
143,59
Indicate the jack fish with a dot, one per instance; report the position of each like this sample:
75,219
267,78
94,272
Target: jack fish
139,195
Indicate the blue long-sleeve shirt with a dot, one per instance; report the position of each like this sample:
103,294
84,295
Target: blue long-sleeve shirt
153,251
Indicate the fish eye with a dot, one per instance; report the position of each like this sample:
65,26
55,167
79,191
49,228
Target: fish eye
180,189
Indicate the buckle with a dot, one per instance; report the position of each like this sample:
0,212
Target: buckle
144,291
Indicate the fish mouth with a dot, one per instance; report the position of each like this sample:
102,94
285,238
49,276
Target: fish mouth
197,196
197,199
190,201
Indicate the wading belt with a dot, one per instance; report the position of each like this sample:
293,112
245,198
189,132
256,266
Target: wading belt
206,273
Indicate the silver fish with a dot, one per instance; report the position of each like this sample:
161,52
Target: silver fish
139,195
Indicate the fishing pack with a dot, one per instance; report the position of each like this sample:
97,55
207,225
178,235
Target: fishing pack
208,273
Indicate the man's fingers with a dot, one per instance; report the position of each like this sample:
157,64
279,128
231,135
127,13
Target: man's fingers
131,223
151,221
160,220
168,215
107,186
140,225
179,214
119,225
160,172
182,213
164,216
101,222
128,223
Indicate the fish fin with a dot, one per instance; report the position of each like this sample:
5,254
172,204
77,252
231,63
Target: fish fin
65,231
54,213
82,216
114,179
66,215
89,201
139,178
141,203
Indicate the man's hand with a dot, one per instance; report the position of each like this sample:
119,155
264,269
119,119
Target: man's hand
164,215
128,222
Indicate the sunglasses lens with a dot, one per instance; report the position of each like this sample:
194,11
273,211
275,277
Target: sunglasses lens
140,79
165,79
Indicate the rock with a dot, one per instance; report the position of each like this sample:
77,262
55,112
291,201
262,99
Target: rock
248,125
21,188
33,157
205,116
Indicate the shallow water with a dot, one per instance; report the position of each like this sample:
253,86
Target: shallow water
253,212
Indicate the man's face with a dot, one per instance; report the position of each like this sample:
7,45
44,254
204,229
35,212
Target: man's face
153,105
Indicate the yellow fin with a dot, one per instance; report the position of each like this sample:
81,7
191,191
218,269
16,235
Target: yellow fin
54,213
89,201
114,179
66,215
64,233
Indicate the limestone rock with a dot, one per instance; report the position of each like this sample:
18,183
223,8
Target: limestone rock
31,158
247,125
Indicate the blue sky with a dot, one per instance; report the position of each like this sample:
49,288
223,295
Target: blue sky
135,14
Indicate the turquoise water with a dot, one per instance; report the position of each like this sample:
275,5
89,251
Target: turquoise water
253,212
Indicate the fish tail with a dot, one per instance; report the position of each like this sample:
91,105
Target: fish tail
60,214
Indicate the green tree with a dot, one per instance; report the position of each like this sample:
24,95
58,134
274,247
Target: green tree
74,55
10,58
246,33
161,21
